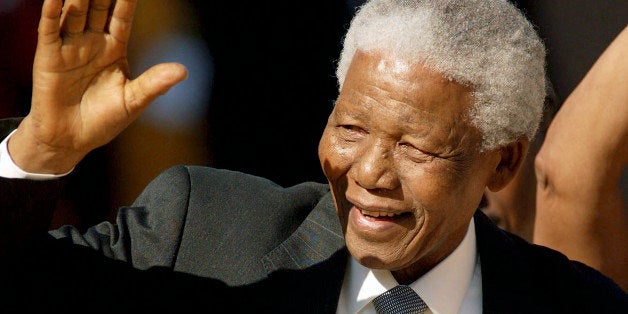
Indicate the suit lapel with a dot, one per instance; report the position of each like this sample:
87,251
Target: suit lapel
506,273
316,239
311,262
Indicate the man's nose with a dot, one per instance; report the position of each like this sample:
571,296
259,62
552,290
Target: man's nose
375,168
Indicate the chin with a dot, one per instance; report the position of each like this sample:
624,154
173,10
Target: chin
376,256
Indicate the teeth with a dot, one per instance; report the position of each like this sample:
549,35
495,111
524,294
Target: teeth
377,214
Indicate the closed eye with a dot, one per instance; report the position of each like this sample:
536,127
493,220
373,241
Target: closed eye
351,132
421,155
416,153
352,128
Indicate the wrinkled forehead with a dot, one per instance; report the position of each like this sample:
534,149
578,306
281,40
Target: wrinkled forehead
388,78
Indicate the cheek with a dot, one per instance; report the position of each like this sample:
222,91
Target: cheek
428,184
439,191
335,158
336,161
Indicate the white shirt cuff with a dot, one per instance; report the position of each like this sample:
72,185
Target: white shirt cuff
8,168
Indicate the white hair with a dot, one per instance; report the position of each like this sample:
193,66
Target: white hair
486,44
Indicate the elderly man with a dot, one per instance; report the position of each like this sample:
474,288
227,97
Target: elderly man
438,101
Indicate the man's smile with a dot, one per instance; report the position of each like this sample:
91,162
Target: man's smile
379,214
378,224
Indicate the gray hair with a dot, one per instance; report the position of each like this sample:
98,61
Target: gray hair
488,45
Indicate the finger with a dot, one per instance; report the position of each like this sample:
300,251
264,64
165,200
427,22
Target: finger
49,30
98,15
121,19
156,81
73,17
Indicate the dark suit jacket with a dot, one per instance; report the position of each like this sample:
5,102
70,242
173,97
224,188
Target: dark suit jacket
206,236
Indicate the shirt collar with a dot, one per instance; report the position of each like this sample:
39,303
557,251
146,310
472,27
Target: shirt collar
443,288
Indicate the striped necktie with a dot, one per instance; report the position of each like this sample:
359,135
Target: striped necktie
399,300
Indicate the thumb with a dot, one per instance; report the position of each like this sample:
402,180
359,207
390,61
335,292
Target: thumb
154,82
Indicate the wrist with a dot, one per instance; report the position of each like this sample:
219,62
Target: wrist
33,156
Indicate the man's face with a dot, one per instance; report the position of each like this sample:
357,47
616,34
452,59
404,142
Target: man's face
403,163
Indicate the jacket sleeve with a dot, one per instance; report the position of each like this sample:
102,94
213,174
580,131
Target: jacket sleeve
146,234
7,125
26,206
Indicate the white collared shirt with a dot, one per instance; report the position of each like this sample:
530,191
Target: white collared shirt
452,286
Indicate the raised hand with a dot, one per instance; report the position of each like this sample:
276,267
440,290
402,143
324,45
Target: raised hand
82,92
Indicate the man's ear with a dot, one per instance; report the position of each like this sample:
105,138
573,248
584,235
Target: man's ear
511,159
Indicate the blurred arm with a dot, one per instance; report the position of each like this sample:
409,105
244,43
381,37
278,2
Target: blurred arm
580,210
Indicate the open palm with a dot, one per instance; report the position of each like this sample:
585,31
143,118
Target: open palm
82,93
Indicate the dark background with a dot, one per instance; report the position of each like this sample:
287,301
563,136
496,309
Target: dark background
261,81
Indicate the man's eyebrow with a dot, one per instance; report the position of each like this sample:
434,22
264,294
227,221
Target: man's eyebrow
355,114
